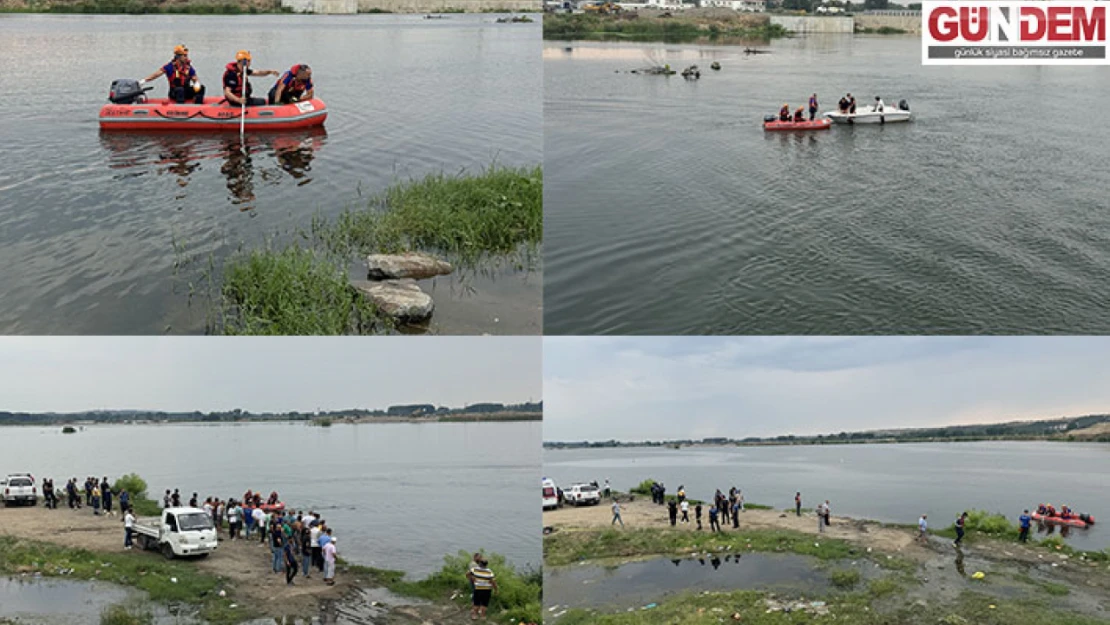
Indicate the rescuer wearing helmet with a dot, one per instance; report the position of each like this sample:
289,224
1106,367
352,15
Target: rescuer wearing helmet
181,76
235,74
784,113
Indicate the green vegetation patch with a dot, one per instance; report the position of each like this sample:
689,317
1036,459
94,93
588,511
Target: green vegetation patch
567,547
517,599
756,608
148,572
136,491
464,216
122,614
585,26
844,578
291,291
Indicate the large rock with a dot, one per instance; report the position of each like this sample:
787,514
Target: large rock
400,299
409,265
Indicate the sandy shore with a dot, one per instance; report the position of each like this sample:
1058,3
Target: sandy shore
246,564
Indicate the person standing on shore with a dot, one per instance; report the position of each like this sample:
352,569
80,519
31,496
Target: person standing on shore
1024,520
685,511
124,500
714,526
736,512
128,527
672,511
193,502
484,582
88,491
166,499
306,549
106,496
798,503
960,523
616,514
697,515
263,519
96,498
740,496
923,528
317,553
608,493
325,540
175,498
828,513
329,558
277,547
289,552
233,519
821,518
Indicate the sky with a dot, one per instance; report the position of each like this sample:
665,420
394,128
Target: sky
69,374
658,388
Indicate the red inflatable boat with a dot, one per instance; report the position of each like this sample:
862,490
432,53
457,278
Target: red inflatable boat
817,124
214,114
1081,520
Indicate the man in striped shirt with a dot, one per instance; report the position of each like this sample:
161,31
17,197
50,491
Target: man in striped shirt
484,586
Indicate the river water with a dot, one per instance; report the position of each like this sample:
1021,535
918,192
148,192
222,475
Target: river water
92,224
669,210
401,495
892,483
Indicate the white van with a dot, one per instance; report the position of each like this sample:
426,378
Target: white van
550,494
20,488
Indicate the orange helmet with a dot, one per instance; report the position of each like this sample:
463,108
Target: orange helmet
180,49
242,55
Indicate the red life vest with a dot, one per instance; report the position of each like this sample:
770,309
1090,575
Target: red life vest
295,86
233,69
180,76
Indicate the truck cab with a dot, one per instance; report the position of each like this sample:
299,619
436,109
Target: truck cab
20,488
180,532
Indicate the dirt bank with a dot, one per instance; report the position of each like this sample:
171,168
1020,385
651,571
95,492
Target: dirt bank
245,564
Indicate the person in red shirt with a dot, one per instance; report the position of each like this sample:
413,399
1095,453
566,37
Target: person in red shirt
181,76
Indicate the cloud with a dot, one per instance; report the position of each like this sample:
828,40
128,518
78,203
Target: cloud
655,388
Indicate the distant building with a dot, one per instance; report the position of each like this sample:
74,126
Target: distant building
735,5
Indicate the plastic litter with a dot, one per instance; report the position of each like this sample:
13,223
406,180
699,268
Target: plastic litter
649,606
978,575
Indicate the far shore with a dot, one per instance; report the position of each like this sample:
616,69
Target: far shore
333,420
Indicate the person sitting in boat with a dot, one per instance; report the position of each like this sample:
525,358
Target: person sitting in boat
784,113
878,104
273,498
1042,509
182,77
851,104
800,114
293,86
842,105
1065,512
1051,510
235,74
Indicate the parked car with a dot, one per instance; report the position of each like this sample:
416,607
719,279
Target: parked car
20,488
582,495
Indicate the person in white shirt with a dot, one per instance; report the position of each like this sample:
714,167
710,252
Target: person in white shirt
317,551
878,104
128,528
685,505
329,562
922,528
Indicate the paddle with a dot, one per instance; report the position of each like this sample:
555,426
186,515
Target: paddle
243,107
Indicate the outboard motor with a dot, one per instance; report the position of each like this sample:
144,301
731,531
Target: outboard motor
905,106
770,118
1086,518
127,91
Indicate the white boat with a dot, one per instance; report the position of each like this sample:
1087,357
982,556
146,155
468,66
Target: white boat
886,114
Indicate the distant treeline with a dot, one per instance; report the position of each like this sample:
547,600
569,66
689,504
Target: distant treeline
1069,429
522,412
138,7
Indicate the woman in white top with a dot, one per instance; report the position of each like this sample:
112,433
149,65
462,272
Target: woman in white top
128,528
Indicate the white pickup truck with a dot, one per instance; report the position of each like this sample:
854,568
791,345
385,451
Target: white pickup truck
20,488
179,532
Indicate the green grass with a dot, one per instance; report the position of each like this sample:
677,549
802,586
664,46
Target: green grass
750,608
883,587
517,598
292,291
583,26
148,572
465,216
121,614
844,578
567,547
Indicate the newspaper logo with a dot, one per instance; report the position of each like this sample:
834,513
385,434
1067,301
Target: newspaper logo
1013,33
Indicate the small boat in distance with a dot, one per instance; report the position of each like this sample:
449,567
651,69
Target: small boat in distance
874,114
771,123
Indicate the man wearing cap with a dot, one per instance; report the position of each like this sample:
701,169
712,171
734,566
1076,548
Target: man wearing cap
181,76
293,86
236,73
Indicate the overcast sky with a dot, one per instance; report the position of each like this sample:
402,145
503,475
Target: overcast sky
655,388
66,374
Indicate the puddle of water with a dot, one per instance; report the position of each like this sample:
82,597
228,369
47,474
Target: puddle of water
72,602
637,584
